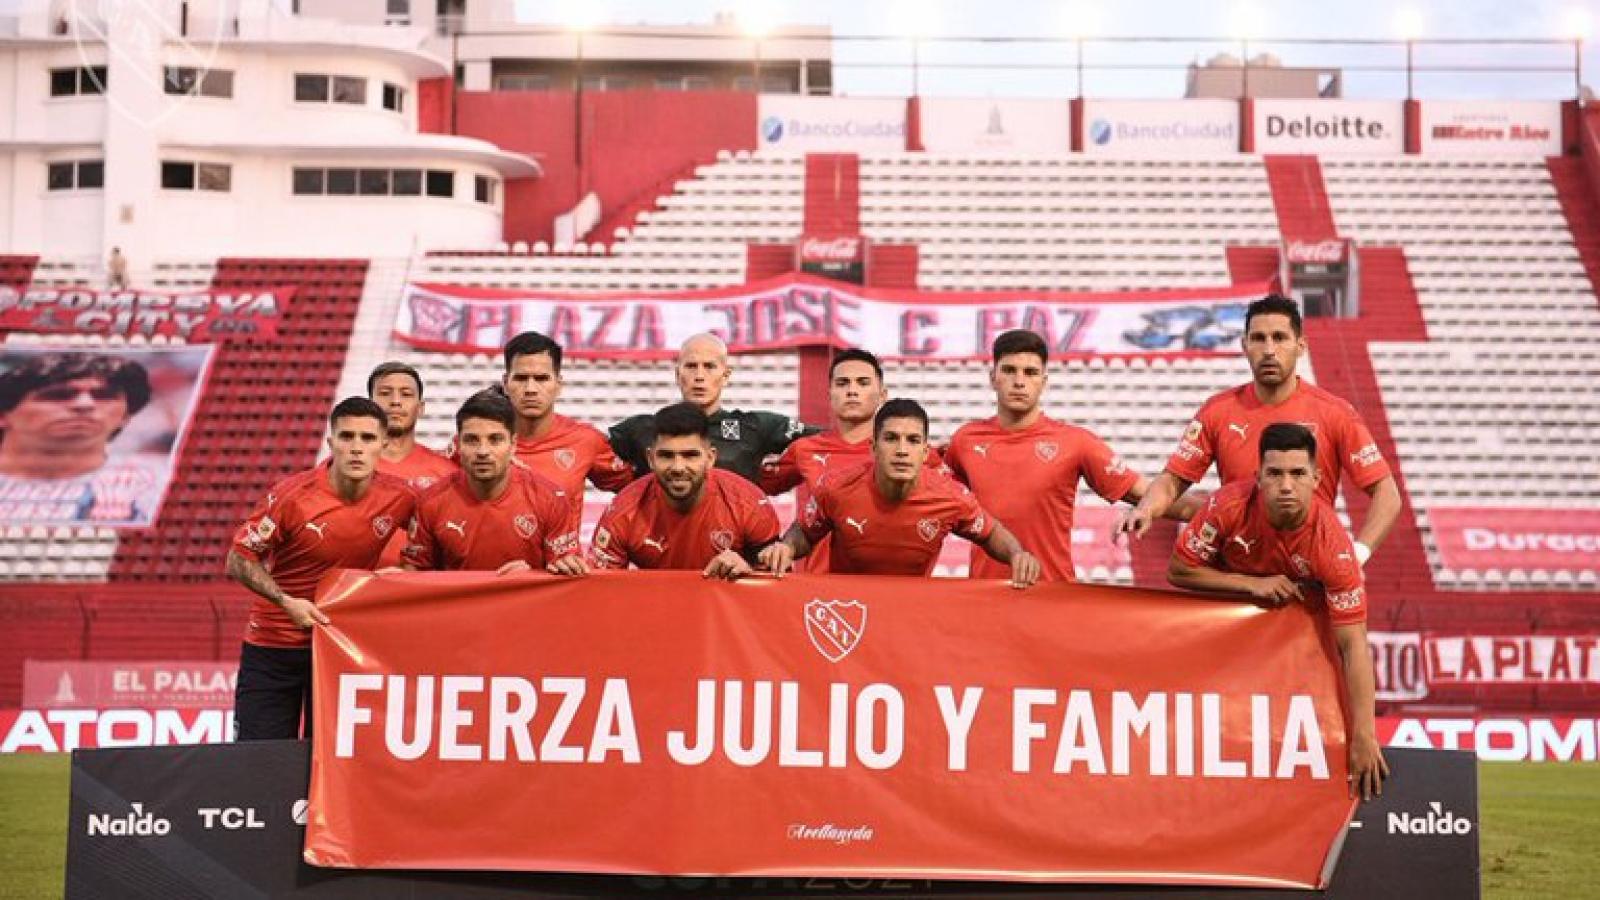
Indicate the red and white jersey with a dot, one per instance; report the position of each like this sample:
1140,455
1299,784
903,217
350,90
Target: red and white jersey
303,530
569,453
1232,534
530,520
1228,429
804,463
640,527
421,468
1028,477
875,536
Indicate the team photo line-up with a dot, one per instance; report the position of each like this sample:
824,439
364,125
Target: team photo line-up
693,481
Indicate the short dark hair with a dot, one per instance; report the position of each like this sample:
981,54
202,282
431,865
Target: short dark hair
357,408
532,343
1282,436
899,408
384,370
856,354
1021,340
46,369
681,420
488,404
1274,305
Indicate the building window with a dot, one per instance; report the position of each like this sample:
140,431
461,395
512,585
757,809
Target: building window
522,83
386,183
483,189
349,90
310,88
81,81
187,80
394,97
399,7
309,182
91,174
62,176
187,176
342,182
441,183
374,182
407,182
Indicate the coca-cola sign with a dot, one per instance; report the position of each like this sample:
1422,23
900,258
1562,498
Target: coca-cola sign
1325,252
844,248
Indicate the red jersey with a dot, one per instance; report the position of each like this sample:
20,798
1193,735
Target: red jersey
303,530
530,520
1028,477
420,468
568,453
874,536
1232,534
1228,429
803,464
642,528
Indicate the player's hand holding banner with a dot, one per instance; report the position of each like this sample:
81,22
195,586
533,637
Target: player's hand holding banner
851,726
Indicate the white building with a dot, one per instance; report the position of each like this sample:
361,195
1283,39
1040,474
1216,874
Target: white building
229,127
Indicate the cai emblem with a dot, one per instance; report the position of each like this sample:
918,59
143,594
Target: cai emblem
928,529
721,539
565,457
382,525
835,626
525,526
1045,450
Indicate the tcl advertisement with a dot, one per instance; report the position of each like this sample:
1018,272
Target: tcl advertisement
1503,128
1330,127
794,125
1161,128
972,126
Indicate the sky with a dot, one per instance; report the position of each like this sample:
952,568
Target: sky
1041,68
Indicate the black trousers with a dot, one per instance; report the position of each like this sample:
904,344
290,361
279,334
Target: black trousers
274,693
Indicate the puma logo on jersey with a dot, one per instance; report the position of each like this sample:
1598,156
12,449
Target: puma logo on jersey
318,527
1344,556
860,527
981,449
1243,430
458,527
1244,543
659,546
821,458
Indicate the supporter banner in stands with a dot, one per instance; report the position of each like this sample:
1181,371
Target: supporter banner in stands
792,125
1473,538
838,725
1417,665
798,311
91,436
193,318
198,684
1498,128
1161,128
968,125
1330,127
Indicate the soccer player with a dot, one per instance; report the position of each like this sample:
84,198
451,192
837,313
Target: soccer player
563,450
890,516
1273,343
855,391
743,439
1025,466
687,514
397,389
1276,540
493,515
58,415
337,515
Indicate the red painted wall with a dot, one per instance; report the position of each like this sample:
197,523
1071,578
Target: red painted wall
434,96
631,141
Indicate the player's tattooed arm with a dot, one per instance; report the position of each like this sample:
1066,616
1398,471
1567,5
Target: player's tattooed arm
255,576
779,556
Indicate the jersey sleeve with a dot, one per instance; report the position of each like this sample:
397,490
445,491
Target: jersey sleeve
421,550
561,534
608,471
1202,536
949,461
782,474
816,520
1196,448
1362,458
1104,470
606,548
760,525
628,440
264,530
973,522
1336,567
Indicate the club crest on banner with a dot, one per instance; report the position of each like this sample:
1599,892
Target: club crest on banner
835,626
928,529
722,539
382,525
565,457
1045,450
525,526
434,319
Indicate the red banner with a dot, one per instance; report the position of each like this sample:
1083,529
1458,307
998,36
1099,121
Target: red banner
656,723
808,311
1483,538
196,318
